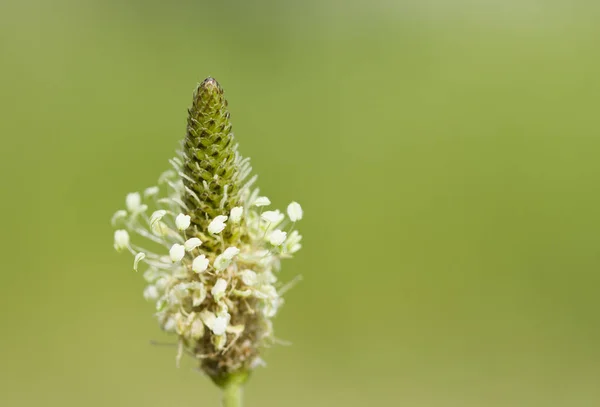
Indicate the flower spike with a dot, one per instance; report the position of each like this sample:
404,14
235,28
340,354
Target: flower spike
214,279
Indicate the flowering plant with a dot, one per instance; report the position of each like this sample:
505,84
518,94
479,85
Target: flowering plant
213,272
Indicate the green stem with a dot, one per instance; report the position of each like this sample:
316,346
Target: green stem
232,391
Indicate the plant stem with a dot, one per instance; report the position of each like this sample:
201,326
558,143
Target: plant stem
232,391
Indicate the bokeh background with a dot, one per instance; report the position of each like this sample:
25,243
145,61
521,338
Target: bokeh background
446,154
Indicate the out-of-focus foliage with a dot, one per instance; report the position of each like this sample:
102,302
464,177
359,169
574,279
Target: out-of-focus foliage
445,154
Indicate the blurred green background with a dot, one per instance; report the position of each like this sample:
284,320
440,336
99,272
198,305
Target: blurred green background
446,154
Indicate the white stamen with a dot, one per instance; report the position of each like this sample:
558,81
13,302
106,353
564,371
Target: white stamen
273,217
133,201
118,215
121,240
200,264
177,253
262,201
217,224
218,289
231,252
151,191
249,277
157,216
294,211
151,293
192,243
277,237
182,221
236,214
138,257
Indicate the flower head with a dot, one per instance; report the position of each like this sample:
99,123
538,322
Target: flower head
214,282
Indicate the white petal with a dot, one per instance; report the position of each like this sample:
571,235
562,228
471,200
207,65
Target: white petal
121,240
236,214
200,264
177,252
192,243
294,211
277,237
217,224
182,221
262,201
138,257
133,201
231,252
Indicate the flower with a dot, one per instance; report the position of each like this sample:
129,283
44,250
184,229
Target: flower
220,299
182,221
217,225
177,252
277,237
294,211
121,240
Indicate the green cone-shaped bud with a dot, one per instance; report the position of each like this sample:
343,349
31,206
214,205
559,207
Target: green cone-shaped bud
209,152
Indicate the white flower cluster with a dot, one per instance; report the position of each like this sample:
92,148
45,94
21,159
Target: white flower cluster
200,293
